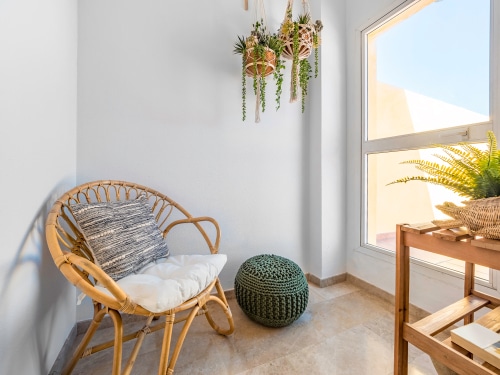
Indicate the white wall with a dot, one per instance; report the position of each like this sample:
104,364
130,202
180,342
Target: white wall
37,162
327,150
159,103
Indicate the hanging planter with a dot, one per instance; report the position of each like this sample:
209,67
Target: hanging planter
300,38
260,62
303,37
261,57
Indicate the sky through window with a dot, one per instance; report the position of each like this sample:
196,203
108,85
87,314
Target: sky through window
442,53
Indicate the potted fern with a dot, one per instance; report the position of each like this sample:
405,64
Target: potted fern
471,173
260,57
300,38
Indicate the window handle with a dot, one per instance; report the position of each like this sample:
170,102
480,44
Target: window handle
455,135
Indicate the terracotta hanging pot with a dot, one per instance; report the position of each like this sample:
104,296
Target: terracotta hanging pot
260,65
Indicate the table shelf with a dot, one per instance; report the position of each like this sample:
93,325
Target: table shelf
455,244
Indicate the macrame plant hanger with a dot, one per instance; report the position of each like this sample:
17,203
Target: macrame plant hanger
260,16
305,8
304,45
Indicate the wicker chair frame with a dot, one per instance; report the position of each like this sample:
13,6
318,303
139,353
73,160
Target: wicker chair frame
74,259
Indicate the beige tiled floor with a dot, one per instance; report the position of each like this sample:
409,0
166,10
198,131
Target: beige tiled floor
344,330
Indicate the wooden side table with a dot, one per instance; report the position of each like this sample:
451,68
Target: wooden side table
458,245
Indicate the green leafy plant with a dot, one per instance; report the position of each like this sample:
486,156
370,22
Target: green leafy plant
304,18
295,31
304,76
276,44
467,170
316,43
256,47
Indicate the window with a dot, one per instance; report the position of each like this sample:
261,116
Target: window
426,80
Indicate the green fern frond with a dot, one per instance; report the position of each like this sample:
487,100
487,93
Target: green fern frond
458,188
465,169
455,150
461,167
492,148
472,150
437,170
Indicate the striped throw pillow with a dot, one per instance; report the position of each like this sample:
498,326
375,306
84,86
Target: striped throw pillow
122,235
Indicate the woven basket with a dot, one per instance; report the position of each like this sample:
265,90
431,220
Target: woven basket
305,42
263,67
481,217
271,290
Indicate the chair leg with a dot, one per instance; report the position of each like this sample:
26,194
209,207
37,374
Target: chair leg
165,347
166,366
227,312
220,292
118,345
221,300
79,351
141,335
182,337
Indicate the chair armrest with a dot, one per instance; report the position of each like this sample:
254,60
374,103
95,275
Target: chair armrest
119,299
214,248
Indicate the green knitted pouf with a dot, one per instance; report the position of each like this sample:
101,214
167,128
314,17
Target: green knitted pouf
271,290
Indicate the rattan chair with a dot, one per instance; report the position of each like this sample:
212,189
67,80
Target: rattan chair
74,258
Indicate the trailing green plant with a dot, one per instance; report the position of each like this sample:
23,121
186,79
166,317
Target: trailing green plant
263,84
301,72
467,170
240,46
304,76
316,42
276,44
260,42
295,59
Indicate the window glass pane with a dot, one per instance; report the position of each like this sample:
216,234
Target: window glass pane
428,68
413,202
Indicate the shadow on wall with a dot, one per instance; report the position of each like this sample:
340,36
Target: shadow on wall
34,303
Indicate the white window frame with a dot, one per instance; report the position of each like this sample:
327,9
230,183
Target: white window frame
473,132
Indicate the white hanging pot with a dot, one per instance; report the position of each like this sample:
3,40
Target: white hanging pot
305,45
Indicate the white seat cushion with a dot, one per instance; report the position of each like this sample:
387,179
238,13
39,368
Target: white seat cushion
168,282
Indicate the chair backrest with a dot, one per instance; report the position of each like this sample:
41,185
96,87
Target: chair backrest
70,250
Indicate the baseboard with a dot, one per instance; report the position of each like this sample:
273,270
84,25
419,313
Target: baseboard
230,294
418,312
323,283
372,289
65,353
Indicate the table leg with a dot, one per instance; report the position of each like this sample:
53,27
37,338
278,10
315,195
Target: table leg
469,287
401,303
